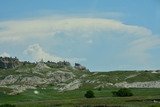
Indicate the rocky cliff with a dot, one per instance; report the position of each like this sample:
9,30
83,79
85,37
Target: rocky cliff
6,62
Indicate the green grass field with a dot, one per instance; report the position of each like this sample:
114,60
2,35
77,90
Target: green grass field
51,98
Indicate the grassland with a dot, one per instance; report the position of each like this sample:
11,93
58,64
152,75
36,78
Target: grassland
51,98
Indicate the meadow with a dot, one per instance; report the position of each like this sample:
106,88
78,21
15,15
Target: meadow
103,98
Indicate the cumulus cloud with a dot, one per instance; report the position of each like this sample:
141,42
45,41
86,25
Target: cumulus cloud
37,53
4,54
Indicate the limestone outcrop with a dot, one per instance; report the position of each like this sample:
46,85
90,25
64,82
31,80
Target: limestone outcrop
6,62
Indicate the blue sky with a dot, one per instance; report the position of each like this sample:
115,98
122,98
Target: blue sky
100,34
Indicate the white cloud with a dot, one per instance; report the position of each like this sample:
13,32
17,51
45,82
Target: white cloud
4,54
139,49
42,27
19,30
37,53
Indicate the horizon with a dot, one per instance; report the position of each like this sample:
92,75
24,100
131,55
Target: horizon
102,35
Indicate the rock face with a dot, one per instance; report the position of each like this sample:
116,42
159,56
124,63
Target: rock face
19,88
33,81
10,79
150,84
41,65
71,86
6,62
19,83
59,76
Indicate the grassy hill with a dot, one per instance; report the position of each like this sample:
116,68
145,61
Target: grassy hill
50,84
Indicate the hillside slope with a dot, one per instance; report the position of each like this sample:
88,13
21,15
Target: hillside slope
61,76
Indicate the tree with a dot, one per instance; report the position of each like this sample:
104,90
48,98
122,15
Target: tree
123,92
89,94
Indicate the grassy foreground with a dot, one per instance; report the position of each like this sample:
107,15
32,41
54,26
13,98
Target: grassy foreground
51,98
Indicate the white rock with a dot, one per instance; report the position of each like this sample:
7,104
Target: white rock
10,79
59,76
150,84
71,86
35,80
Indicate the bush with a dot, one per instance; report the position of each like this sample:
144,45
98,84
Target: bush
100,89
123,92
7,105
89,94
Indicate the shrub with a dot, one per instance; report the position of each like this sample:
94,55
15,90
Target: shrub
123,92
89,94
100,89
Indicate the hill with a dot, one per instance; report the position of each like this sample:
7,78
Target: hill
17,76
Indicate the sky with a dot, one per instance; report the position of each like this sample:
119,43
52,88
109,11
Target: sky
103,35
